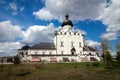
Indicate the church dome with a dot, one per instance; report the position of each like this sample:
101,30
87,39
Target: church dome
26,47
67,21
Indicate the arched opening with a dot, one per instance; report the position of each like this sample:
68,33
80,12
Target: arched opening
73,50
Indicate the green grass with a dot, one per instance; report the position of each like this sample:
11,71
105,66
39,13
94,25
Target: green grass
57,71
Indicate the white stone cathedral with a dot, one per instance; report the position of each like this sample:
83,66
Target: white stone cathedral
67,46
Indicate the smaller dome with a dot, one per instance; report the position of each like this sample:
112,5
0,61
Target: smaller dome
67,21
26,47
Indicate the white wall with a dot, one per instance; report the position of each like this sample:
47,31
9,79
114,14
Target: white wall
65,37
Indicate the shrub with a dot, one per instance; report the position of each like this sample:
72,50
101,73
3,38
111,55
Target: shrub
118,58
16,60
108,58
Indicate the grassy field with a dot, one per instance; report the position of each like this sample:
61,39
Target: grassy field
57,71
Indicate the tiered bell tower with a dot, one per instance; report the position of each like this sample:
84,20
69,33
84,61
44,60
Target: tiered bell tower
68,42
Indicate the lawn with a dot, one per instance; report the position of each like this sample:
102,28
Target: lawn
57,71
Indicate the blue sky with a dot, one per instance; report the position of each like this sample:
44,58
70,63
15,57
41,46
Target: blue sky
33,21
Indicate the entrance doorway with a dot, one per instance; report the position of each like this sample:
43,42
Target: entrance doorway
73,50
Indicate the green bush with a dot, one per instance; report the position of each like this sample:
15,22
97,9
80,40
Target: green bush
118,58
16,60
108,58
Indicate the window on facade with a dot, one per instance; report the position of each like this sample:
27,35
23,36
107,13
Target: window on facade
70,33
26,53
60,32
72,44
62,52
80,44
43,52
61,44
65,33
74,33
22,54
90,54
78,33
50,53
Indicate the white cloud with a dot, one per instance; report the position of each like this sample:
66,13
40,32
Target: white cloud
78,9
37,33
107,12
22,8
92,43
44,14
8,31
34,34
111,17
9,48
109,36
13,6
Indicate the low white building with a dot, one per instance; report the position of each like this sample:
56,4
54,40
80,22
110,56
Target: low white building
67,46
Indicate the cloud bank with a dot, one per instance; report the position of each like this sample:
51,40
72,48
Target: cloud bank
10,34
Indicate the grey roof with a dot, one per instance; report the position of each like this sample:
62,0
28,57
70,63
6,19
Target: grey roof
88,48
44,46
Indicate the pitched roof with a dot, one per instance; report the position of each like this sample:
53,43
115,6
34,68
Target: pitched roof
44,46
88,48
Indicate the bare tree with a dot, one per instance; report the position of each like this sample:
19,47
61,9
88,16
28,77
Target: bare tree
118,47
104,45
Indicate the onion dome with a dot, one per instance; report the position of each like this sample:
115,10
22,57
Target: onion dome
26,47
67,21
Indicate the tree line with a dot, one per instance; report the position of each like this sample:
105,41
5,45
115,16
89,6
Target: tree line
109,61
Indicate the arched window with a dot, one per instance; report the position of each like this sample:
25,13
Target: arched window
60,32
65,33
61,44
22,54
72,44
80,44
69,33
26,53
62,52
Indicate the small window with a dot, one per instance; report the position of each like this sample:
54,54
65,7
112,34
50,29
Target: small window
65,33
26,53
70,33
62,52
80,44
22,54
78,33
60,32
90,54
72,44
43,53
36,52
50,53
74,33
61,44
